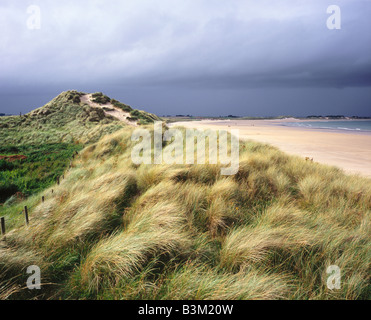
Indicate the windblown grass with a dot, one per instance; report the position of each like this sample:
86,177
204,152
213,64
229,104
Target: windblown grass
114,230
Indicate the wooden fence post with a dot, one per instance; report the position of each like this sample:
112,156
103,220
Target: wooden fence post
26,215
2,219
58,181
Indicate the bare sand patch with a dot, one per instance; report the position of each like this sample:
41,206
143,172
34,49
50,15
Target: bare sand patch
349,151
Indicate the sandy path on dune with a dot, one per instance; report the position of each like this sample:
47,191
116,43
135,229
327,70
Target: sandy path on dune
115,112
349,151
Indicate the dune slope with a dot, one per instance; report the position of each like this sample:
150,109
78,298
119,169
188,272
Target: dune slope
115,230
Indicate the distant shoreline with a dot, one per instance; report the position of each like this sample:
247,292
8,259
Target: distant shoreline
181,118
281,123
350,151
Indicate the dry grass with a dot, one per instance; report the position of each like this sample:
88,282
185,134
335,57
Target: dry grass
117,230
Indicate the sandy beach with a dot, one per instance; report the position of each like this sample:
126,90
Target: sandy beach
349,151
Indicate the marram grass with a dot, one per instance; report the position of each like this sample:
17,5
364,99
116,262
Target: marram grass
115,230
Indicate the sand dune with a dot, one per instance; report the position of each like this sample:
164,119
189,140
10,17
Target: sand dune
349,151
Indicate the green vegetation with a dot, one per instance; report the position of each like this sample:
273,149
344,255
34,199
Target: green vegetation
143,117
122,106
43,141
62,120
100,98
37,171
114,230
37,147
74,96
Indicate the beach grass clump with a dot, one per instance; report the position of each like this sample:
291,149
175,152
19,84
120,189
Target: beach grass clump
122,106
100,98
198,282
159,230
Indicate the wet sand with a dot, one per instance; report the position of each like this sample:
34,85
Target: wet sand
346,150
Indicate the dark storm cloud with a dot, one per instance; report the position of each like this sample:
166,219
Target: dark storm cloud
193,48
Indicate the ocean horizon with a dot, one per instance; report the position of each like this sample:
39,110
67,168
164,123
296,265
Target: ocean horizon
342,125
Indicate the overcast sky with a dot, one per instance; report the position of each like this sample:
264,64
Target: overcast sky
199,57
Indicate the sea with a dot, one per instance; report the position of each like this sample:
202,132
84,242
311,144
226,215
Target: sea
338,125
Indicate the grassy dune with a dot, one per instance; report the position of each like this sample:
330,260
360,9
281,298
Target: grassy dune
115,230
65,119
46,139
62,120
